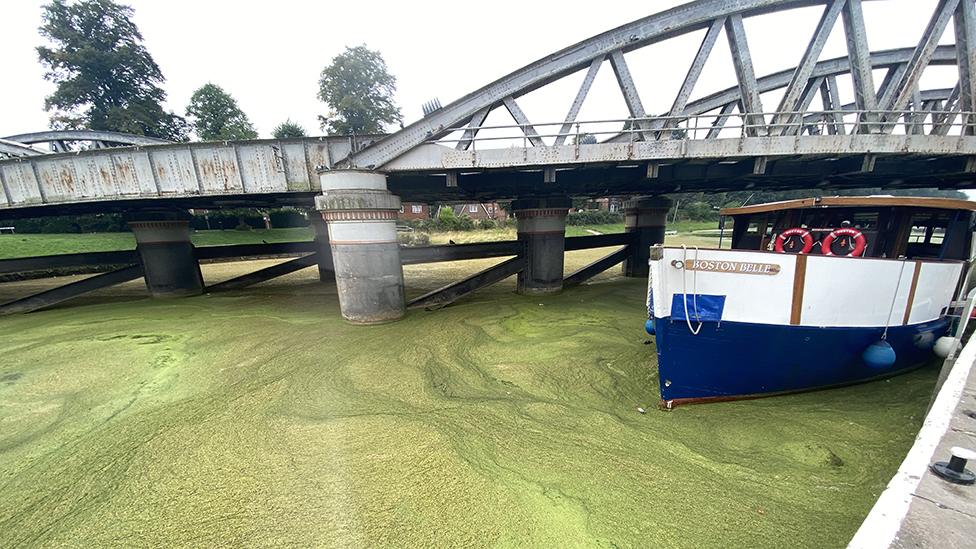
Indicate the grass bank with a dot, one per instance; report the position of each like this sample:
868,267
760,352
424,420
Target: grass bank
27,245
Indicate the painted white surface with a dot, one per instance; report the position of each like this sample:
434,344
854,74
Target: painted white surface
763,299
883,522
850,291
347,179
838,291
362,231
936,286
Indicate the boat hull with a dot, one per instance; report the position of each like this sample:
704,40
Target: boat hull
736,360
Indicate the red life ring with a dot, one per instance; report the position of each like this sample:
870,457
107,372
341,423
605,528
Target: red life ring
795,231
859,241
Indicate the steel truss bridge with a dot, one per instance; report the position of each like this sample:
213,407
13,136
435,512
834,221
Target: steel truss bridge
894,134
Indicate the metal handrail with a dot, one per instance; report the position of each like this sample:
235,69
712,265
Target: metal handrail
687,127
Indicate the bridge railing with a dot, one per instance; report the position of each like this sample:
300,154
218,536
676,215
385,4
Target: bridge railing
714,125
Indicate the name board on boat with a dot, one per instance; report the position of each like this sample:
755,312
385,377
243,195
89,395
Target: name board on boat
737,267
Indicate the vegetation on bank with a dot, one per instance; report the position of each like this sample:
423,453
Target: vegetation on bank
28,245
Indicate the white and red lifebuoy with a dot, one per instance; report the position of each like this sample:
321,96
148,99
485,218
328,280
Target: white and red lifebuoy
795,231
860,242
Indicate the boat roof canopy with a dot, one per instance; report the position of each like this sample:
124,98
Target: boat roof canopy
856,201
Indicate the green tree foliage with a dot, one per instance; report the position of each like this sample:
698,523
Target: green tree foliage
358,90
584,139
216,117
105,77
288,130
594,217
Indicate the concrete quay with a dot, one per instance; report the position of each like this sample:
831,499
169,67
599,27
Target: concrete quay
919,509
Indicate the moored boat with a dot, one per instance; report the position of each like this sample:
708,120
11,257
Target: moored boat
813,293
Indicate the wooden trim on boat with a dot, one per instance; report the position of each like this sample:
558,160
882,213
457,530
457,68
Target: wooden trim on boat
911,293
799,280
855,201
832,257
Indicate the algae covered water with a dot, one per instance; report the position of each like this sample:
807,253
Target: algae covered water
259,418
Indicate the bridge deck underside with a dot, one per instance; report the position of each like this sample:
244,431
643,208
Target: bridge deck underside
824,172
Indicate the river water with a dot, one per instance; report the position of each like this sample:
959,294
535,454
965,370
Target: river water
259,418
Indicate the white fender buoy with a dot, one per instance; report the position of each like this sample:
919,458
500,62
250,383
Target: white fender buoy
943,346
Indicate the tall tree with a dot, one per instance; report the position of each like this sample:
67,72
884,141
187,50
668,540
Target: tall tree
288,130
215,115
106,79
358,90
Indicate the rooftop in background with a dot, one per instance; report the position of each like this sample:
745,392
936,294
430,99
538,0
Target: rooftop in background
856,201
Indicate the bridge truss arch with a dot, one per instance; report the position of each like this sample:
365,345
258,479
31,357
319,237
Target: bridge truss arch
29,144
878,110
894,132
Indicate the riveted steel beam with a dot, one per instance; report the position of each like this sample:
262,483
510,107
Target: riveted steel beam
679,20
681,100
85,135
523,121
860,62
578,100
965,31
794,94
898,95
745,73
476,121
627,87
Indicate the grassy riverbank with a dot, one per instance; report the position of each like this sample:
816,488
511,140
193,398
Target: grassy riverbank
27,245
259,418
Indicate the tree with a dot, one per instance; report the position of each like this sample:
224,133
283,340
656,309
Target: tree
585,139
358,90
288,130
105,77
216,117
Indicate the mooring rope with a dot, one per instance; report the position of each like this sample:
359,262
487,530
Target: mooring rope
650,306
894,298
684,289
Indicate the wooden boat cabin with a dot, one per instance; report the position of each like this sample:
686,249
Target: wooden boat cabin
859,226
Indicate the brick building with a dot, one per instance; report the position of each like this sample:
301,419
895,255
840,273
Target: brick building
484,210
411,211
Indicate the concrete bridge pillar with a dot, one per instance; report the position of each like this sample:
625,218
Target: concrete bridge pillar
169,262
361,215
645,218
542,229
323,248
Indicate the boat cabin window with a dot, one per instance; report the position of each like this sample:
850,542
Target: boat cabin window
938,234
909,232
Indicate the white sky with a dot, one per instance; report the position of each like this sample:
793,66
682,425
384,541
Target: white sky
268,55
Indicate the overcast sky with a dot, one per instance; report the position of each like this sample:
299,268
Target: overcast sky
269,55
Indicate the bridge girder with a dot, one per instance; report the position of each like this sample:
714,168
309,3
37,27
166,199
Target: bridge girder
61,140
844,145
715,16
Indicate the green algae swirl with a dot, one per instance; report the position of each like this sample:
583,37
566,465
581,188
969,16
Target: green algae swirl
259,418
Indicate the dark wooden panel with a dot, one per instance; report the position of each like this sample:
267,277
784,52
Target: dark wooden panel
45,262
70,291
267,273
597,267
452,292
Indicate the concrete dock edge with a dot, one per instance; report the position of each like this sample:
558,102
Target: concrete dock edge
918,509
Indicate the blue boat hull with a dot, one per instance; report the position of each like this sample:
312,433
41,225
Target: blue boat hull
734,360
